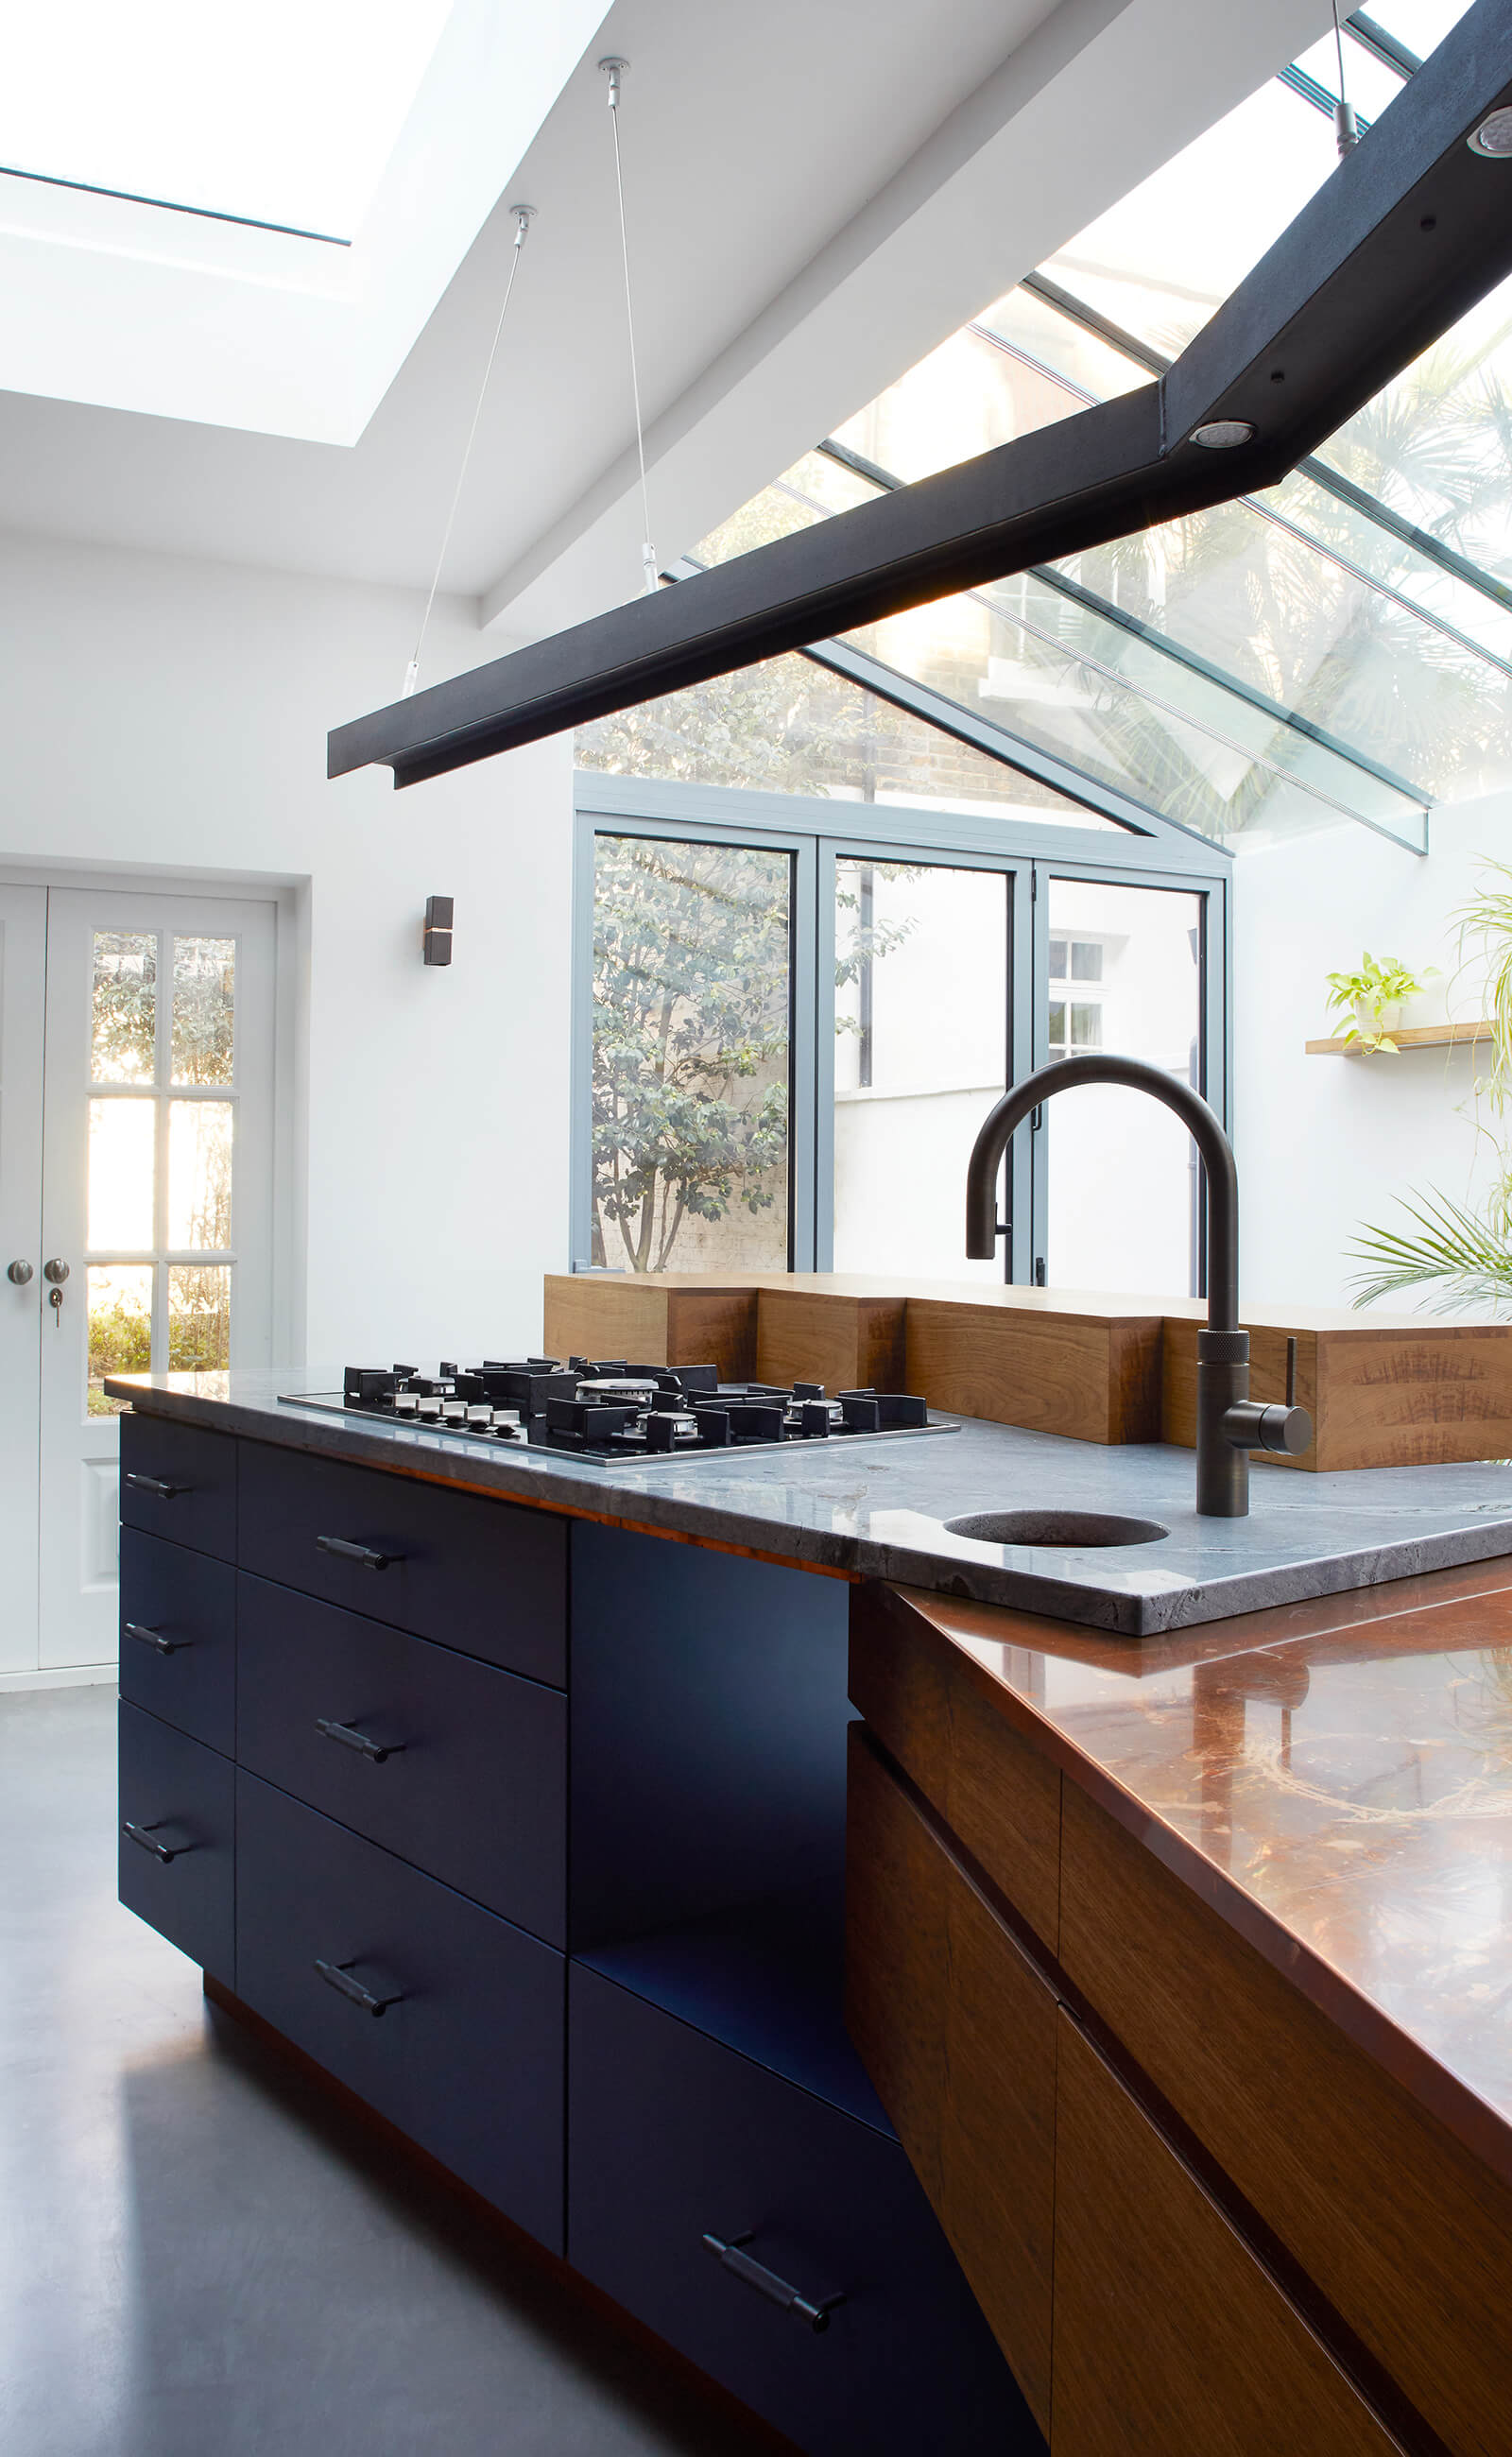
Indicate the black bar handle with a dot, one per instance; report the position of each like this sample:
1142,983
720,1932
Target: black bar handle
154,1638
338,1976
366,1555
145,1837
377,1752
730,2255
156,1487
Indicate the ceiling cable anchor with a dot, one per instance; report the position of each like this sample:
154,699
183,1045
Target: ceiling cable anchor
613,68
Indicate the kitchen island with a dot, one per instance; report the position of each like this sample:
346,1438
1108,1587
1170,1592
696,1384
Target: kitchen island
511,1789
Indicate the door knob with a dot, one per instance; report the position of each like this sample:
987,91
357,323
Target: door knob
19,1272
56,1271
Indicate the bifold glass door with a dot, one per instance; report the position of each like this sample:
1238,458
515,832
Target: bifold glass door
1124,971
924,962
789,1041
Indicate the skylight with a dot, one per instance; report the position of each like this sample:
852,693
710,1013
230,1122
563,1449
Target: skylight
284,114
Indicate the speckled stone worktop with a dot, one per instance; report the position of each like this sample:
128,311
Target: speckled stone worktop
874,1508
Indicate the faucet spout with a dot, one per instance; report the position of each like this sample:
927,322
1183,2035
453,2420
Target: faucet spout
1229,1424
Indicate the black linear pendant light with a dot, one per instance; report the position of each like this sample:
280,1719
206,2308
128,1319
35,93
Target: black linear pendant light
1413,228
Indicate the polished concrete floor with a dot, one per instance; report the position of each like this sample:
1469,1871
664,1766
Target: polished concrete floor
198,2258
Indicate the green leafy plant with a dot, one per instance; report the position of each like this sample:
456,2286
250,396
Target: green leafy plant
1466,1254
1372,992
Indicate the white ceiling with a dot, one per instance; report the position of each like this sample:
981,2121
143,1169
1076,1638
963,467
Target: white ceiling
819,191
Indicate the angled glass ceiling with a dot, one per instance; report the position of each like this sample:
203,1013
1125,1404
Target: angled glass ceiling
282,114
1336,647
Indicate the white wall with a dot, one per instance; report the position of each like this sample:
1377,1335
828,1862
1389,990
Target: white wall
172,714
1327,1143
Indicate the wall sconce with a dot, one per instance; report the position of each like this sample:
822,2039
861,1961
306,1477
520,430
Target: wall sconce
436,937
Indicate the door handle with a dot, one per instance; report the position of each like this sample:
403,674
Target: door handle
338,1976
145,1837
18,1272
154,1638
731,2254
55,1271
366,1556
377,1752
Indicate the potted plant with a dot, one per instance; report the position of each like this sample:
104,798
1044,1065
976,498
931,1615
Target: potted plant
1374,993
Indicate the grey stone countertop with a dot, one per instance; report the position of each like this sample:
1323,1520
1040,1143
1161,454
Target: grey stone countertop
875,1504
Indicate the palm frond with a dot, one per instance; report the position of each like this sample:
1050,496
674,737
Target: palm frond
1442,1244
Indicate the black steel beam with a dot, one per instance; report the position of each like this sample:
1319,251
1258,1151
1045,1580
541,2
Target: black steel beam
1407,235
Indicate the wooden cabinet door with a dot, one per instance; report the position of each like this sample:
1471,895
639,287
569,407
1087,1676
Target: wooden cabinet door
1169,2334
957,2034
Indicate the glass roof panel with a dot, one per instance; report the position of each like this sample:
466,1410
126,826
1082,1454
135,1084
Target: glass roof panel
1162,259
791,726
1115,708
284,114
1435,446
1420,25
1369,84
964,399
1086,363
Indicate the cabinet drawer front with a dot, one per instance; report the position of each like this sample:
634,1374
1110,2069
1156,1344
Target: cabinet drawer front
674,2136
477,1574
957,2034
472,1783
1168,2332
1403,2231
926,1702
179,1482
179,1798
178,1637
467,2058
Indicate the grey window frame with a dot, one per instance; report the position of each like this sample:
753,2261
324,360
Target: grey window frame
815,832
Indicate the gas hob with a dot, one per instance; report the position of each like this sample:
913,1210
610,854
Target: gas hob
614,1411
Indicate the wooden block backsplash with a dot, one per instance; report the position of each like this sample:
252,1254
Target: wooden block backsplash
1381,1395
1392,1393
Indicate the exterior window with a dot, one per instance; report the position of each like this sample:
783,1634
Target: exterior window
692,1056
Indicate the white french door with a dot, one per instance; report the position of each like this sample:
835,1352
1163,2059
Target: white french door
23,957
136,1164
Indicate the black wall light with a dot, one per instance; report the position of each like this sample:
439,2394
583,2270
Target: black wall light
1409,232
436,937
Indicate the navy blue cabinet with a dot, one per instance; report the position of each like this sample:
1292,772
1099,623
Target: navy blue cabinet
425,1812
178,1637
445,2020
178,1820
678,2146
180,1481
457,1766
475,1574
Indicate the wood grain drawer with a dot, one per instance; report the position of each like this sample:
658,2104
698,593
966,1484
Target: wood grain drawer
472,1573
180,1483
176,1869
473,1787
1406,2235
920,1696
675,2136
1168,2335
178,1637
466,2055
957,2034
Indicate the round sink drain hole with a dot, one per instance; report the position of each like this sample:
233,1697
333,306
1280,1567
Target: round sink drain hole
1076,1530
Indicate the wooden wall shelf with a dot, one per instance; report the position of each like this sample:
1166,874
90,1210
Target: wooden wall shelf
1421,1036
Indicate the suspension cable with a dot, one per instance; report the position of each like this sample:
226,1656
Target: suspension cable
1346,127
614,70
523,217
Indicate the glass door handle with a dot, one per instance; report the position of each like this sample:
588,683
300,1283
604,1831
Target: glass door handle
54,1271
19,1272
